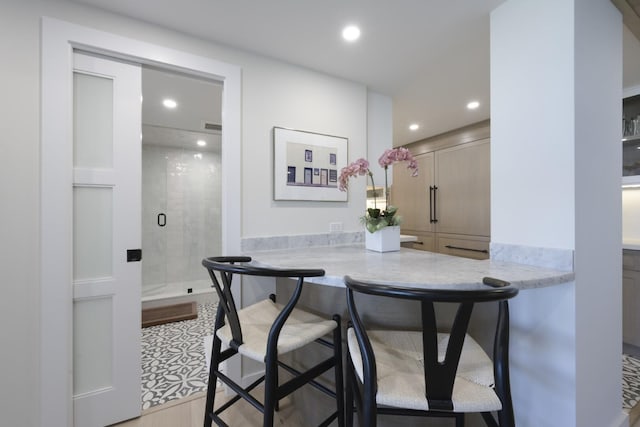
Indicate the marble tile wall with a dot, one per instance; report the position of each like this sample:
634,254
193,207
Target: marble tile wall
185,186
300,241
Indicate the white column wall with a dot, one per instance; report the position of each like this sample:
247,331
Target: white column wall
532,123
556,79
598,245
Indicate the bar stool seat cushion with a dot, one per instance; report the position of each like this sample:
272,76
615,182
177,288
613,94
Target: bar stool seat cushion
300,329
399,364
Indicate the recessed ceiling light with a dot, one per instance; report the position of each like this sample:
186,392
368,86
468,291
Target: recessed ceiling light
169,103
414,126
351,33
473,105
201,143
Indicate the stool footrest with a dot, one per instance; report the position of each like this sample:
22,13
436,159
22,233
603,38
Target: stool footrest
303,378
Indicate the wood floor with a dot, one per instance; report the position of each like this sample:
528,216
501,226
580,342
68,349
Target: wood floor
188,412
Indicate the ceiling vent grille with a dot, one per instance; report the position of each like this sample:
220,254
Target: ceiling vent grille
212,126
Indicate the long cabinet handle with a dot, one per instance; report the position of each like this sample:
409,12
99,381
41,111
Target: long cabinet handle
432,203
484,251
435,201
418,242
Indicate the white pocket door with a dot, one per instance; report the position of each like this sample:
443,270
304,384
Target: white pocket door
106,241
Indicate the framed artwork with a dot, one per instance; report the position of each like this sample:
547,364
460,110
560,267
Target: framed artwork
306,165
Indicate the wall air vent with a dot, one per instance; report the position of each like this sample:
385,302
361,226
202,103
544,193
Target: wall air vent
212,126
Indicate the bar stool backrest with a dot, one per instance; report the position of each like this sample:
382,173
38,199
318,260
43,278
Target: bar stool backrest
439,376
227,266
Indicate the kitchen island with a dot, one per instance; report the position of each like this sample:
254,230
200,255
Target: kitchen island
540,326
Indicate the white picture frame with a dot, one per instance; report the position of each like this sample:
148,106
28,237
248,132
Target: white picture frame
297,154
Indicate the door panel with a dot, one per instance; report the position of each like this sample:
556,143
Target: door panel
463,181
106,212
411,194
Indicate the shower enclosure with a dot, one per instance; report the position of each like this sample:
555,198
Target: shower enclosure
180,220
181,188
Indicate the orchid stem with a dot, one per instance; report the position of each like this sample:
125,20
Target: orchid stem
374,191
386,188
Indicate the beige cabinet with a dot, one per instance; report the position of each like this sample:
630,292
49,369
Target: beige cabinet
462,197
631,297
408,194
447,206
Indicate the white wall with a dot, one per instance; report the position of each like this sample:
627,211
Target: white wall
274,94
278,95
631,215
19,305
379,134
555,100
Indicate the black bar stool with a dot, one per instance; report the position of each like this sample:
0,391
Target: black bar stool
264,331
427,372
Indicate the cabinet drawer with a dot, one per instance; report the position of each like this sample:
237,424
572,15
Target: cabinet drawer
425,242
630,304
631,260
476,249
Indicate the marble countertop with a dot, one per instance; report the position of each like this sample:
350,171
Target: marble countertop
407,267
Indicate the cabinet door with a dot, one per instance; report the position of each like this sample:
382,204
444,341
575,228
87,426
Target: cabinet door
630,304
463,195
411,194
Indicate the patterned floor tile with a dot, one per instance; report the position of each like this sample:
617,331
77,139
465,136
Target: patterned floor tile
173,358
630,381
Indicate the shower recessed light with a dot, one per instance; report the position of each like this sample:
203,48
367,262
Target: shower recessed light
414,126
201,143
169,103
473,105
351,33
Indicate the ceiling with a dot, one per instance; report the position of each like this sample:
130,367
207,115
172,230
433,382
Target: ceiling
199,103
430,56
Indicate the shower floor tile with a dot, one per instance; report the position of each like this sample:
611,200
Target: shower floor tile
173,358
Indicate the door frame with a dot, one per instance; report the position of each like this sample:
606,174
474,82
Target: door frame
59,39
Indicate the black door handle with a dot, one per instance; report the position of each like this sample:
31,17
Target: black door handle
433,216
460,248
431,204
162,219
134,255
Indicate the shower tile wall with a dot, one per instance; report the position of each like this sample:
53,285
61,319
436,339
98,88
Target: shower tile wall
185,186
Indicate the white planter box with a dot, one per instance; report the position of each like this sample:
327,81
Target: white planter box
385,240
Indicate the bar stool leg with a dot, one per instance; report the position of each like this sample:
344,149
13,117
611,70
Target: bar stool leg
270,387
213,381
339,374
